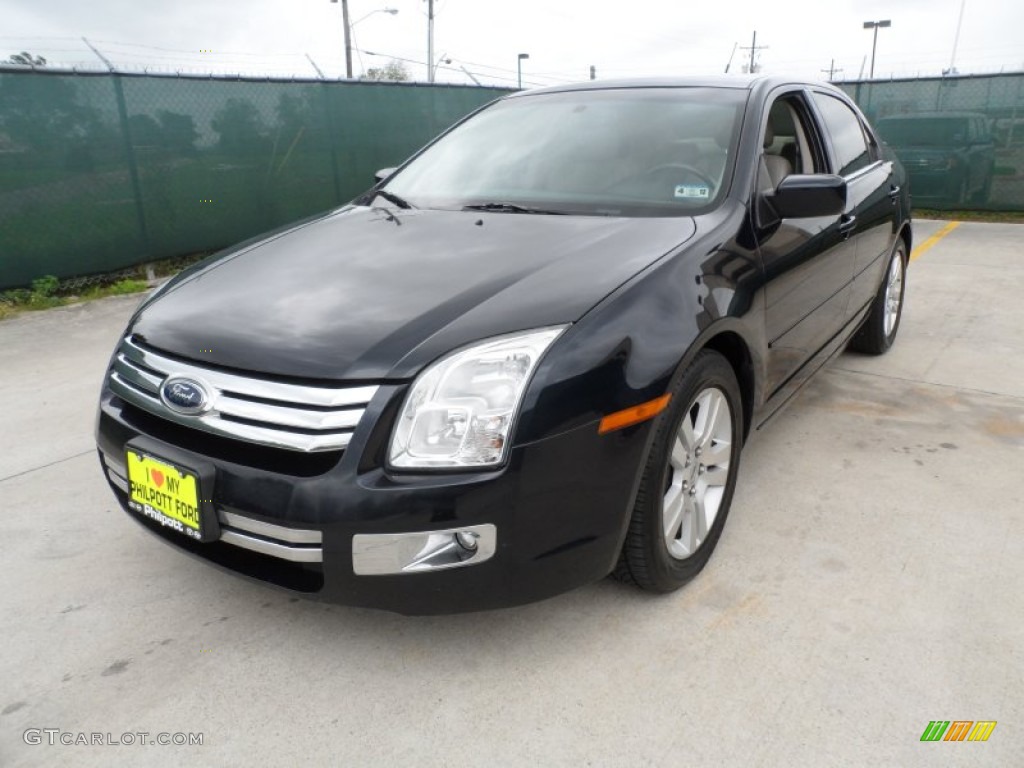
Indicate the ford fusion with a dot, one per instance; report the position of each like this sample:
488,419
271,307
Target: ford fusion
526,359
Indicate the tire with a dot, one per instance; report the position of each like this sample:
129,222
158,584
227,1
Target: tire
687,453
882,324
985,192
961,193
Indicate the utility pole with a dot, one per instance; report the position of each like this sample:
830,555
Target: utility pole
430,41
348,37
754,48
832,70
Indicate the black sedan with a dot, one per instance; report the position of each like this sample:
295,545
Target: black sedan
526,359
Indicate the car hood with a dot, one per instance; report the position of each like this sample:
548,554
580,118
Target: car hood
369,293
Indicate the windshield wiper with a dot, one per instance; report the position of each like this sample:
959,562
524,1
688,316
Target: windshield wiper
510,208
391,197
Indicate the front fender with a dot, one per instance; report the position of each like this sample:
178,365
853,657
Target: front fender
636,343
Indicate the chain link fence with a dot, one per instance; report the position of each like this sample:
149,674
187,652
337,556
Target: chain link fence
961,139
100,172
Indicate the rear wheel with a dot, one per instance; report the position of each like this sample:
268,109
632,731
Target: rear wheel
983,194
883,320
688,482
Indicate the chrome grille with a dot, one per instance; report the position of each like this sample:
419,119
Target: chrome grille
291,416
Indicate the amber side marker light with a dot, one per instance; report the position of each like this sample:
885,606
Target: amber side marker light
630,416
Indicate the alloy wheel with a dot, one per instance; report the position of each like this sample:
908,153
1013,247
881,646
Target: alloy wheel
893,294
698,472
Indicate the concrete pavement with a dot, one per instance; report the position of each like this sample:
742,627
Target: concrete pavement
868,581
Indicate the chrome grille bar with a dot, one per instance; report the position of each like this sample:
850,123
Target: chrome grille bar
300,545
273,548
282,415
117,473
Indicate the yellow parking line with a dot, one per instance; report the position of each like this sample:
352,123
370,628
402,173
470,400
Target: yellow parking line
920,250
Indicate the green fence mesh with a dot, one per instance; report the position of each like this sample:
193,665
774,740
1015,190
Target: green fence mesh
101,172
961,139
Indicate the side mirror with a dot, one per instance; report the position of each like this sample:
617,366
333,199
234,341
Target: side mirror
383,173
802,197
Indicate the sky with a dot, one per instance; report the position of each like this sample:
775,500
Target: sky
563,39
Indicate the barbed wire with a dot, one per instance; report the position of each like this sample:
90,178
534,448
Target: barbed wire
165,60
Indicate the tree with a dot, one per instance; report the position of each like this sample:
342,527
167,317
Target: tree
240,126
145,131
26,59
178,131
44,112
301,115
393,70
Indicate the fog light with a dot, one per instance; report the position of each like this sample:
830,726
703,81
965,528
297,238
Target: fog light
466,539
378,554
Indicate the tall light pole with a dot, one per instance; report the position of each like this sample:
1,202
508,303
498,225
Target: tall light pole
874,44
519,67
430,41
348,31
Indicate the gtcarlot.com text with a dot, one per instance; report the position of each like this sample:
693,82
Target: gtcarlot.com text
55,736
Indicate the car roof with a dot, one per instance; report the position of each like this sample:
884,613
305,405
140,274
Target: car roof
738,82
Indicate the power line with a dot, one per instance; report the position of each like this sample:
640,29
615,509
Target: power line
449,69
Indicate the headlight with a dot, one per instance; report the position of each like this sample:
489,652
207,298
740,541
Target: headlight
460,410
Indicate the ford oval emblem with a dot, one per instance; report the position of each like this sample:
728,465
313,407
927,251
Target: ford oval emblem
184,395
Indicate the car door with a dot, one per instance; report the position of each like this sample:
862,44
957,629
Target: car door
808,262
871,194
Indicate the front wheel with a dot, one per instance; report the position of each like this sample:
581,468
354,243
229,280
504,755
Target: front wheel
688,481
883,321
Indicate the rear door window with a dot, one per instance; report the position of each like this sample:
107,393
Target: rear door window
849,145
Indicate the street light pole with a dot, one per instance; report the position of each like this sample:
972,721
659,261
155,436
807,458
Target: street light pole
348,39
430,41
519,67
348,31
874,43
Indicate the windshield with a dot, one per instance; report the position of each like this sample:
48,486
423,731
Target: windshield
924,132
621,152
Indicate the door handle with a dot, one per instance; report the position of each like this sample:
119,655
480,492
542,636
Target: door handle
846,224
894,193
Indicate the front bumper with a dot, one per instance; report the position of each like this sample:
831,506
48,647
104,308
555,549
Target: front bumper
935,185
559,510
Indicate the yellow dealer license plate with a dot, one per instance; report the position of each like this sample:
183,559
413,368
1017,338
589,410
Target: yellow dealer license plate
164,493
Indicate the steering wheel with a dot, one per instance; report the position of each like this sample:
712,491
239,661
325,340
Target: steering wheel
701,176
